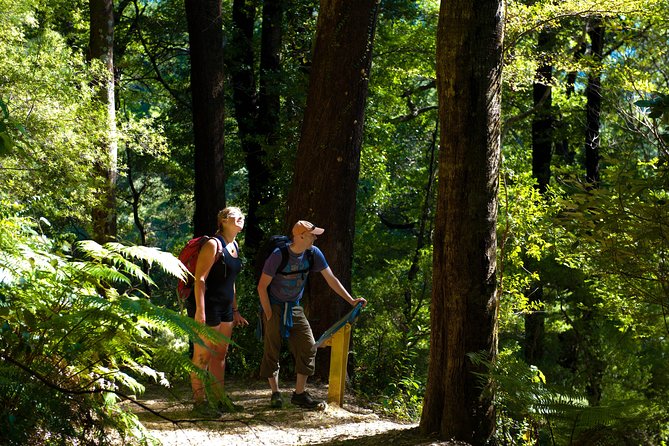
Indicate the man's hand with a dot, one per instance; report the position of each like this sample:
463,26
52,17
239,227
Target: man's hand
268,314
359,299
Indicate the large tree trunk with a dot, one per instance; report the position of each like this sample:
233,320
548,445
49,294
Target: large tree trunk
101,47
542,122
464,301
257,112
328,156
265,193
564,149
542,151
205,34
593,93
594,367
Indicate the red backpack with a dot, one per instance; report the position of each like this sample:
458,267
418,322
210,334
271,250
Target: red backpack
188,257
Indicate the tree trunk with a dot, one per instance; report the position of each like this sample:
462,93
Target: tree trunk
423,236
328,156
256,111
593,93
594,367
542,151
465,304
101,47
564,149
542,122
205,34
266,192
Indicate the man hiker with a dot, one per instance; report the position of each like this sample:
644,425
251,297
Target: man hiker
280,293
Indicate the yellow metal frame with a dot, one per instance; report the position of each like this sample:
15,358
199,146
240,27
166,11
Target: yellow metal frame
339,344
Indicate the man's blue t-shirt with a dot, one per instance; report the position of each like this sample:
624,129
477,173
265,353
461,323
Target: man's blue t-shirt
289,287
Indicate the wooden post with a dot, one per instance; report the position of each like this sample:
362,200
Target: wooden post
338,361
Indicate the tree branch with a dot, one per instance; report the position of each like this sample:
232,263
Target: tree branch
519,117
414,111
393,225
154,64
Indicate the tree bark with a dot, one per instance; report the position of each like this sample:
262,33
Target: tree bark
205,34
328,156
542,151
564,149
101,47
257,109
594,367
269,100
464,307
543,120
593,93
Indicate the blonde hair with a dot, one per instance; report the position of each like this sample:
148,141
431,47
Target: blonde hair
225,213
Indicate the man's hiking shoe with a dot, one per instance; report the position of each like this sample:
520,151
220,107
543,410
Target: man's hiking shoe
202,409
306,401
276,401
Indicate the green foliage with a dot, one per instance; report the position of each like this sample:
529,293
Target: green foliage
526,236
155,140
46,91
624,227
658,106
87,323
391,338
594,256
6,129
532,410
79,336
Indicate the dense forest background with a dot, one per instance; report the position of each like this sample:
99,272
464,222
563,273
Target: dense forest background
104,173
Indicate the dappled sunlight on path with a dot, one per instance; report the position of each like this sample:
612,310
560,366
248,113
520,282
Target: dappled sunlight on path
259,424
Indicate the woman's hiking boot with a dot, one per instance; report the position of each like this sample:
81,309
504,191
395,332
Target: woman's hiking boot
203,409
276,401
227,406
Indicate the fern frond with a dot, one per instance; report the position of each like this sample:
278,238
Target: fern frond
92,249
522,393
151,255
74,329
97,273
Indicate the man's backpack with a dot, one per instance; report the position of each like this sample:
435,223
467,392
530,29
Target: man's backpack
188,257
282,242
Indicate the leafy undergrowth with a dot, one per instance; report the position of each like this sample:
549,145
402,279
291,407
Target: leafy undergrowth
170,420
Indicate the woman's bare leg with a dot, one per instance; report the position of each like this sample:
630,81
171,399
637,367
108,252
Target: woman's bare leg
217,359
201,358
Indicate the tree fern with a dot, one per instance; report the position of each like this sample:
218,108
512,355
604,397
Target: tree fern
78,334
530,408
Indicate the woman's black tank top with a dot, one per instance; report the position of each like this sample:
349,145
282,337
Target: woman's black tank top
221,279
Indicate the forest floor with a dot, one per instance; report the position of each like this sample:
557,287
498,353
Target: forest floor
173,423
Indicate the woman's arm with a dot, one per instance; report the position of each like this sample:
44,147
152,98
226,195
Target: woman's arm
237,317
205,260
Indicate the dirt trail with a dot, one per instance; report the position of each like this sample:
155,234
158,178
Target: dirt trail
259,424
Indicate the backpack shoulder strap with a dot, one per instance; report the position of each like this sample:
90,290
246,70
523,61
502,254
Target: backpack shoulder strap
219,246
309,253
284,260
310,257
